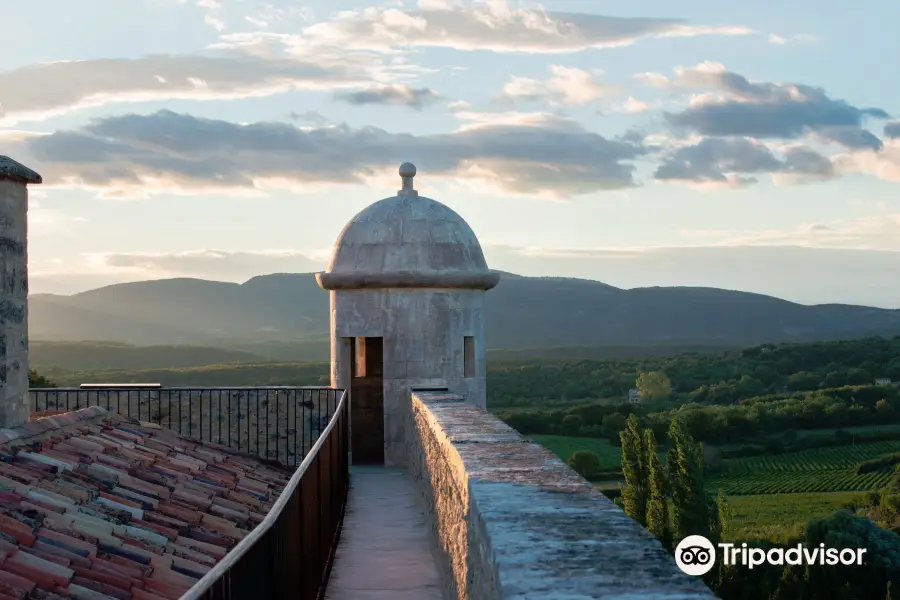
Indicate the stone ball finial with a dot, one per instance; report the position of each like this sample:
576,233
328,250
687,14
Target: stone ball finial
407,172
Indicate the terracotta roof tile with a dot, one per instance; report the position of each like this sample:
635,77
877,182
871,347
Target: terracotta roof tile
99,507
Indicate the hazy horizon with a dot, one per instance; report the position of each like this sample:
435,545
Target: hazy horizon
635,270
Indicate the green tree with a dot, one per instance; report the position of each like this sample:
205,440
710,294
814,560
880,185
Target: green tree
36,380
653,385
749,386
634,469
571,425
858,377
586,464
720,517
790,586
893,369
689,502
846,530
671,469
613,424
835,379
803,381
657,501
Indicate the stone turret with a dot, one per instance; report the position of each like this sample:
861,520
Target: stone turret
407,274
14,403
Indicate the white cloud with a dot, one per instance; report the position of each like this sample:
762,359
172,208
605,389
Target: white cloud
879,232
779,40
214,264
213,14
495,25
438,4
325,55
633,106
653,79
883,164
459,106
737,106
566,86
172,152
485,120
42,90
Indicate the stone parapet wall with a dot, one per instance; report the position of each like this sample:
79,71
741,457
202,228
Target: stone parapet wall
512,520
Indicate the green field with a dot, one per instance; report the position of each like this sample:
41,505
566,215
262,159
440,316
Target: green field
860,430
824,435
777,517
830,469
800,481
563,446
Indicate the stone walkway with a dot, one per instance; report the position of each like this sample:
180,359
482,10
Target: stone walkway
384,552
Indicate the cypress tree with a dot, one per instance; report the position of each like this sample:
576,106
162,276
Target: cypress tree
657,502
634,468
720,516
690,503
671,469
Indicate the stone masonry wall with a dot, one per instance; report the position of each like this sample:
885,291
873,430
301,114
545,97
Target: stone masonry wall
510,520
423,333
14,409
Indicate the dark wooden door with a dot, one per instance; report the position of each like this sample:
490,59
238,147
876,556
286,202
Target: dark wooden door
367,402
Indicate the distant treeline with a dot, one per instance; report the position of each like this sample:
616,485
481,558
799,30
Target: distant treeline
748,419
724,397
237,375
720,378
94,356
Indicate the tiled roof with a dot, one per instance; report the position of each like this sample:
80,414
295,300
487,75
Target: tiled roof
94,506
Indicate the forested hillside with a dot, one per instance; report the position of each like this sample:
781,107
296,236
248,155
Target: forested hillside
520,313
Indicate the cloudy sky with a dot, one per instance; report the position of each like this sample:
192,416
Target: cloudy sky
746,145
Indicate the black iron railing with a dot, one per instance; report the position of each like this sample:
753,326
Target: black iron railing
275,423
289,554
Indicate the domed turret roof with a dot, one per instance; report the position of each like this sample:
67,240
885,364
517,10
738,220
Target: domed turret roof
407,241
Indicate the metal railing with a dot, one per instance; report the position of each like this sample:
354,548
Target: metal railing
275,423
289,554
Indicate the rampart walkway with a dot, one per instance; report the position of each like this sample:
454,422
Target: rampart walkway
384,552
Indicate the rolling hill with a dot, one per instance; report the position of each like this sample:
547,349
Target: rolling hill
521,312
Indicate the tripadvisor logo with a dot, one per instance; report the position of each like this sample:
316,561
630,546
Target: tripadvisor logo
696,555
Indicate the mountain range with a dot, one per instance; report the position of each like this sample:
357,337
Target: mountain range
521,312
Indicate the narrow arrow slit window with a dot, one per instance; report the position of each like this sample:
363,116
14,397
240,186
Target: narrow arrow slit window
469,356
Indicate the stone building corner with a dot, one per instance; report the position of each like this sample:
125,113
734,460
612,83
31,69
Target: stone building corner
14,180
